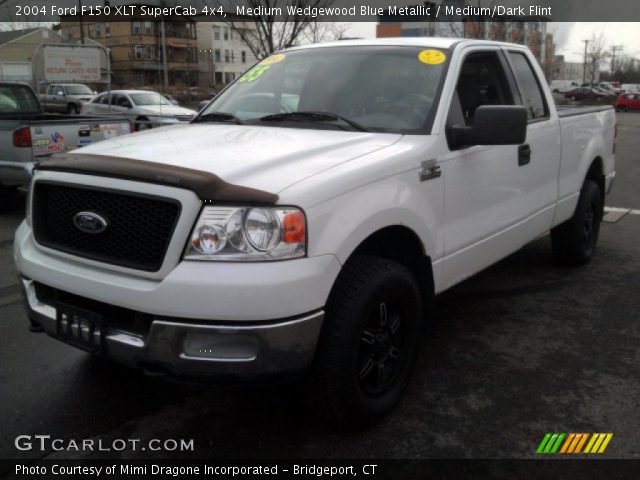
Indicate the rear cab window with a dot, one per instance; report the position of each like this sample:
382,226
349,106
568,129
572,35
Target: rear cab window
529,86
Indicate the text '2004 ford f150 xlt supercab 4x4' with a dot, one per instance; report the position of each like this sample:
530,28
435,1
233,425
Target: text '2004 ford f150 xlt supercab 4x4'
307,217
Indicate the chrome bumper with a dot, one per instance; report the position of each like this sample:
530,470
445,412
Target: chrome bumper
196,348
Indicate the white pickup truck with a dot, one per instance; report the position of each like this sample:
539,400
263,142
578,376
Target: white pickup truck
305,220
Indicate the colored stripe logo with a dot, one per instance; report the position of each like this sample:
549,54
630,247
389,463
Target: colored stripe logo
574,443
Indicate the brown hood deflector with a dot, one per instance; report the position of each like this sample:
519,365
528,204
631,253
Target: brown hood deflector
207,186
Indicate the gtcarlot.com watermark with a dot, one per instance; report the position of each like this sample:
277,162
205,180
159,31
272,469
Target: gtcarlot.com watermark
45,443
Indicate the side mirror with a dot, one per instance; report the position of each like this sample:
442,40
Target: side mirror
492,125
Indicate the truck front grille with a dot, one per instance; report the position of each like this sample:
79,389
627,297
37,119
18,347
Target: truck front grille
139,227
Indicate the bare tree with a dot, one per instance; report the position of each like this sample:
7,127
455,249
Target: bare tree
596,53
269,32
318,32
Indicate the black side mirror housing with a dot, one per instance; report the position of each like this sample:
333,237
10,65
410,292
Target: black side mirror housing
492,125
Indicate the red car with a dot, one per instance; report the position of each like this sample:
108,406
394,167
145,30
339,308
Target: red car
584,93
628,101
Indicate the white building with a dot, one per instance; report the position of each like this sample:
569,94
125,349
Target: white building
222,55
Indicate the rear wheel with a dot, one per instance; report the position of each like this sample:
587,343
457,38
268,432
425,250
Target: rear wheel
141,124
574,241
622,108
369,341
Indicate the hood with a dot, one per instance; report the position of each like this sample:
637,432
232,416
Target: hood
265,158
168,110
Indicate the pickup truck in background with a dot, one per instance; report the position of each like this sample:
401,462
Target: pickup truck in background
66,97
27,135
300,225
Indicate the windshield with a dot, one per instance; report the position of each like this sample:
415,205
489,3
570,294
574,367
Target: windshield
17,99
150,98
385,89
78,90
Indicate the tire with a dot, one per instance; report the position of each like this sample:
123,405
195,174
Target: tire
72,109
141,126
574,241
373,318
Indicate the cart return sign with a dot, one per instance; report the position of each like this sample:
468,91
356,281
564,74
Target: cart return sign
71,64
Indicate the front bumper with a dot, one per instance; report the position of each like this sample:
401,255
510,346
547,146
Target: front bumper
187,348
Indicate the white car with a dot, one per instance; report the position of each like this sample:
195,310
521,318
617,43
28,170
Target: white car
563,86
143,108
305,220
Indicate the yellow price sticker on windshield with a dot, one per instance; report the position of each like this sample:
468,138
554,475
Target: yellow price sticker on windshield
278,57
432,57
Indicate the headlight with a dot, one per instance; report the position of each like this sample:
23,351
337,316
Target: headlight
246,234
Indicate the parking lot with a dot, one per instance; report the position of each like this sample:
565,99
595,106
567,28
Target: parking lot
524,348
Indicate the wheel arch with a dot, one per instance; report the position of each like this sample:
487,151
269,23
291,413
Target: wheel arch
403,245
596,173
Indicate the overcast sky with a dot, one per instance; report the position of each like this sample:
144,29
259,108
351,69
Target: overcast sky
568,36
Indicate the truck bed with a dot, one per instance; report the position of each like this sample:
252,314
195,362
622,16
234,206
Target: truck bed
572,111
59,119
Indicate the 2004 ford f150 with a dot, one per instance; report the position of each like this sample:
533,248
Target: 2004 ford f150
304,221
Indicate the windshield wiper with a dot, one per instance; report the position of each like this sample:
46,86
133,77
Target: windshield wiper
218,117
313,117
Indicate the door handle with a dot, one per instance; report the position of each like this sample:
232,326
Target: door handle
524,154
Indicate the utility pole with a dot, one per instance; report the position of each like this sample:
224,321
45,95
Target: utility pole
81,25
614,50
163,41
584,62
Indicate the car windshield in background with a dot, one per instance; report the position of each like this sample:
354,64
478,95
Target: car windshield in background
78,90
17,99
150,98
378,88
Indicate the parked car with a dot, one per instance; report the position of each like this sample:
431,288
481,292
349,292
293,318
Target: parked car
613,87
265,239
630,88
205,102
562,86
628,101
66,97
27,135
585,93
145,109
605,92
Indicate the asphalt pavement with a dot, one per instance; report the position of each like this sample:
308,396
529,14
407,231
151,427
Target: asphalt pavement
524,348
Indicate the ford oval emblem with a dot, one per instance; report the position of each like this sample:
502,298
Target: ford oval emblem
89,222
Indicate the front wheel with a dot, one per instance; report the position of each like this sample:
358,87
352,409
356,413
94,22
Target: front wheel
369,341
574,241
72,109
